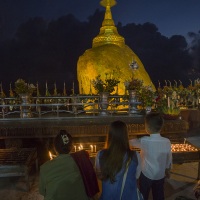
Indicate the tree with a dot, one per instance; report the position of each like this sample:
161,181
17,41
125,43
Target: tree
194,50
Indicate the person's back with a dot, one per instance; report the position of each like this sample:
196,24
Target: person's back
156,157
112,162
60,178
112,190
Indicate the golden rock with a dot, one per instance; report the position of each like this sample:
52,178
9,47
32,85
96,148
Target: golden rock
109,54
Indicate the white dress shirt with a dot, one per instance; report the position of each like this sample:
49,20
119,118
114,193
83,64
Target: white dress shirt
155,153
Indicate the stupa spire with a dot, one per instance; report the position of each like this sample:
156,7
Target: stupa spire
108,21
108,32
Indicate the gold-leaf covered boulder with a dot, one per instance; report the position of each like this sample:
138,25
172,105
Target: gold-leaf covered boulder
109,55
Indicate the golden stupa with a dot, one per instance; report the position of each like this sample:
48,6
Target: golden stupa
109,54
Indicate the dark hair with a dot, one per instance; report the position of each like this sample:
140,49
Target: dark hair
117,145
154,122
63,142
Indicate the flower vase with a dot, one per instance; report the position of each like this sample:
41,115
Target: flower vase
103,103
25,106
133,103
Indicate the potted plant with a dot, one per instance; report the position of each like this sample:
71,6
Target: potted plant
104,88
23,88
170,112
133,84
107,85
147,98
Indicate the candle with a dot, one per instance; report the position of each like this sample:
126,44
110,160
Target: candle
73,87
170,83
64,90
95,148
50,155
175,83
74,148
159,84
1,89
91,148
168,102
190,82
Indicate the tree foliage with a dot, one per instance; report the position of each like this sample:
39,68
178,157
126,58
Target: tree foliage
49,50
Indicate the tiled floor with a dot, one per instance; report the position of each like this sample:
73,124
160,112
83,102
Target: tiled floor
181,183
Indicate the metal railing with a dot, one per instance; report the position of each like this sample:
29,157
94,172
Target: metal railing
61,106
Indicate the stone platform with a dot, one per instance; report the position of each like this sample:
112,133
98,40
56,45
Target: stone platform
81,126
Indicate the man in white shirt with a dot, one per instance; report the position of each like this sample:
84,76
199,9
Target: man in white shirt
156,157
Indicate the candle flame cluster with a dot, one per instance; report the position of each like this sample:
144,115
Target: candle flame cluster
183,148
92,148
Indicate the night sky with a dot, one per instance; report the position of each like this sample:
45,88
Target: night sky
171,17
35,44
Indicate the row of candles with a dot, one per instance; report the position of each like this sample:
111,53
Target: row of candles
159,85
171,101
37,88
174,148
92,149
197,81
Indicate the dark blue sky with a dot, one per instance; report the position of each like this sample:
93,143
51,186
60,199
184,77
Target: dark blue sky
170,16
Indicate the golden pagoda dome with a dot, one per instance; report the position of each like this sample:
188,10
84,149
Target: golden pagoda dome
109,55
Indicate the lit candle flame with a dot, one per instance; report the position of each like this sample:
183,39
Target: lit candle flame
81,146
91,146
50,155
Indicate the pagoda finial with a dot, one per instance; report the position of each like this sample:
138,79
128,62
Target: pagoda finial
108,32
106,3
108,21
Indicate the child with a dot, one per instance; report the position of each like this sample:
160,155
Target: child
156,157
